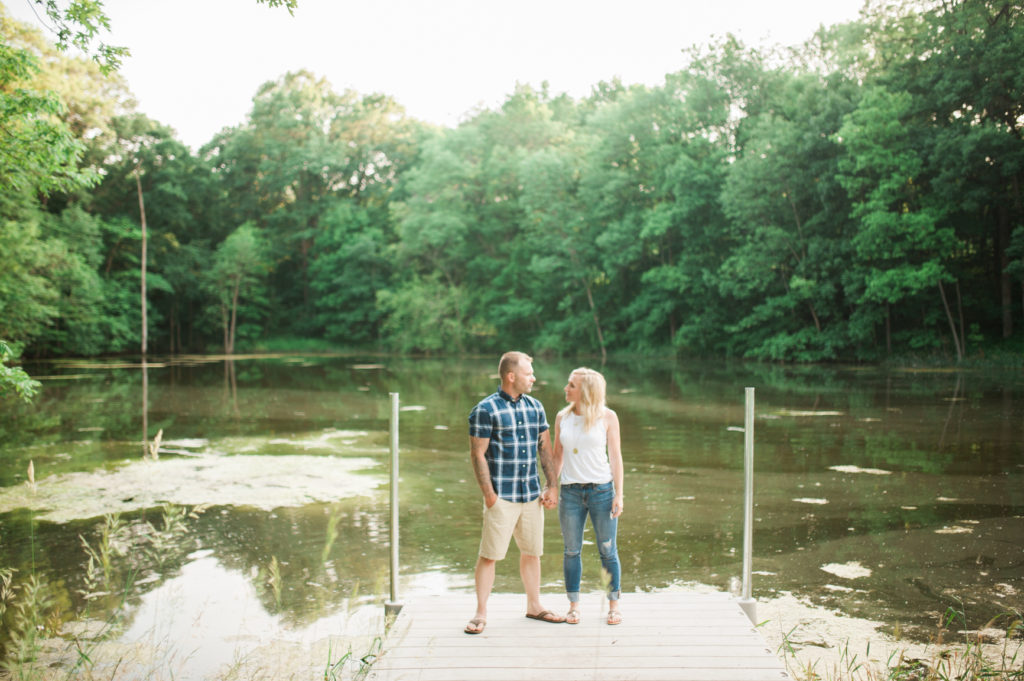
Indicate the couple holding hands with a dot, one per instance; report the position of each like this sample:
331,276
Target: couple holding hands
508,433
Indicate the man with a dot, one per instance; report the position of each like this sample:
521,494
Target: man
507,432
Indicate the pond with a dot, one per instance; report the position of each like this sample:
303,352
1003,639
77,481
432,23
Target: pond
262,512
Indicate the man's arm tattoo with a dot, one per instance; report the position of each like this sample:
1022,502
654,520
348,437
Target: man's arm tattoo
547,462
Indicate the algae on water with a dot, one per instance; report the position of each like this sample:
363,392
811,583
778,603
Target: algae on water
273,478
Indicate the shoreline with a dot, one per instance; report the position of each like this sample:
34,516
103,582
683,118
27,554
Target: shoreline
813,643
821,643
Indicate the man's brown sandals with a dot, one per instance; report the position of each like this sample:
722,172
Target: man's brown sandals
547,616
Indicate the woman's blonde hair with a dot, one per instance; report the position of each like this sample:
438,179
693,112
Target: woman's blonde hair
592,396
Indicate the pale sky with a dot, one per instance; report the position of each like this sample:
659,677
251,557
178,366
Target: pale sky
196,64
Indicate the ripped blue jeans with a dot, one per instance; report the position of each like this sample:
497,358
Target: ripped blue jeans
575,502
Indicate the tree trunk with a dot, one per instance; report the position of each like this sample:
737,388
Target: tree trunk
597,325
1003,261
142,212
173,325
224,328
888,330
305,247
814,316
145,408
952,324
234,313
593,308
960,314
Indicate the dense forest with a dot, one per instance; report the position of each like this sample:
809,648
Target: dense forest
852,198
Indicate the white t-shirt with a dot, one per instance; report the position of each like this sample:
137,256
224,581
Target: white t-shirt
584,452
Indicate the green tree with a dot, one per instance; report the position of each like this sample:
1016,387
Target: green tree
461,226
562,261
903,236
38,152
304,149
790,225
28,299
185,219
649,189
958,64
79,325
239,266
351,266
970,82
423,315
13,379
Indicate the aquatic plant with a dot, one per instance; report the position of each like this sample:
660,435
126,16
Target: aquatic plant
112,543
165,538
26,606
333,670
331,534
968,659
153,448
961,659
112,561
274,580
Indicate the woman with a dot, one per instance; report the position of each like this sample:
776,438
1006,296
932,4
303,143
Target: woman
588,455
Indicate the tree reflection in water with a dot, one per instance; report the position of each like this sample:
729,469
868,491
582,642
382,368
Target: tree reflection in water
887,495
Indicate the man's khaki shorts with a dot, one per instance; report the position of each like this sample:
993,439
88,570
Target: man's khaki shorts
507,519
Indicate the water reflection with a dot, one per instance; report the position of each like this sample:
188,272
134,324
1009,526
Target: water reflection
887,495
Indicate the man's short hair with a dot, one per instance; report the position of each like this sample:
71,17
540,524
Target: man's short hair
510,361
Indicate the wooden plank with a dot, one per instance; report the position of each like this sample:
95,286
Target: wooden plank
451,662
546,674
665,636
643,649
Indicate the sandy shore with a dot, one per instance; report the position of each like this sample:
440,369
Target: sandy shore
817,642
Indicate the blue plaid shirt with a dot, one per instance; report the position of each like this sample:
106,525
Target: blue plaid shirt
514,428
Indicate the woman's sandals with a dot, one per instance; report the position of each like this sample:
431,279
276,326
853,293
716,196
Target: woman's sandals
573,617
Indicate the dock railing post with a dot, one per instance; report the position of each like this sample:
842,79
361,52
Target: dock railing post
393,606
747,603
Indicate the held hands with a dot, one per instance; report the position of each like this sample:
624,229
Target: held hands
549,498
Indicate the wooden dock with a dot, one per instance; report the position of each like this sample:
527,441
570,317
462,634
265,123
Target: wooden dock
663,636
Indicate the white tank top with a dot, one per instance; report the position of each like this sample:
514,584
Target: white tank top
584,452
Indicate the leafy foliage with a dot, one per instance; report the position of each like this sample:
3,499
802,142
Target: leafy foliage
14,380
848,199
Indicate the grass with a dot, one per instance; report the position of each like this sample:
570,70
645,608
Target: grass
32,647
40,642
967,656
334,669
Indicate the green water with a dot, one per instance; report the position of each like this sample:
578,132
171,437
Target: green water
889,495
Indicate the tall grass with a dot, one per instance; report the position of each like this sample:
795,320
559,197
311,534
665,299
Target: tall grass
111,562
334,671
27,624
38,641
964,656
